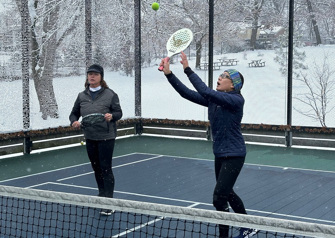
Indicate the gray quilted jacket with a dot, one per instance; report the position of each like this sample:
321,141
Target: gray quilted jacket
106,101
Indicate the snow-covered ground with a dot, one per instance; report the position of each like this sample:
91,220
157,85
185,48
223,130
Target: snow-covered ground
264,91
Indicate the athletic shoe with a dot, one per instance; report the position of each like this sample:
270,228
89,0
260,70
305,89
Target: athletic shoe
107,212
246,233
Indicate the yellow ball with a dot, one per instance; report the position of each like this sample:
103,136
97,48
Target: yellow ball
82,142
155,6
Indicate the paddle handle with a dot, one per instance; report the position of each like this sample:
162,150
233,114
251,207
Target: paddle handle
160,68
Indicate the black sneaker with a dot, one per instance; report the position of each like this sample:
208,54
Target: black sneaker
246,233
106,212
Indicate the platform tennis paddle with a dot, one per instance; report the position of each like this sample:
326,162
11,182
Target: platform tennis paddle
178,42
91,119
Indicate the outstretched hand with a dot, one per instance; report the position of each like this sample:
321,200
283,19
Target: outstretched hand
165,63
184,60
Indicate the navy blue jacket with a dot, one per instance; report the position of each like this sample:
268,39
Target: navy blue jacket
225,112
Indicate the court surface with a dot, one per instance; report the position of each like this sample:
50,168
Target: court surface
267,190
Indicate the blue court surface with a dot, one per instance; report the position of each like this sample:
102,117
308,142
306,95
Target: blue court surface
288,193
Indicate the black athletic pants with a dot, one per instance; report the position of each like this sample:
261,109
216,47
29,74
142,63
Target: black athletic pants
227,170
100,154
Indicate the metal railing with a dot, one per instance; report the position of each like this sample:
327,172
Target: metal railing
25,142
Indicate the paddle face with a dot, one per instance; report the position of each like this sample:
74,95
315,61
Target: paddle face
92,119
178,42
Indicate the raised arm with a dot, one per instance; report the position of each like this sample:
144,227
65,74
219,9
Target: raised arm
229,99
184,91
222,98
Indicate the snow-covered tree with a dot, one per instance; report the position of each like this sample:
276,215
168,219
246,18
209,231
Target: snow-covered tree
320,84
49,27
298,58
252,10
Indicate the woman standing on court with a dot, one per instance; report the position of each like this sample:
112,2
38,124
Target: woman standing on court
100,137
225,111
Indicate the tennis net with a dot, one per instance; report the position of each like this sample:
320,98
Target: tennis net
40,213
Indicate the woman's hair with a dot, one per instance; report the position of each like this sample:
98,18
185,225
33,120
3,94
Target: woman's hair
102,83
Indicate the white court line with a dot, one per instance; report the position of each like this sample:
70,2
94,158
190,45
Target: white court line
177,137
55,170
156,156
178,157
118,166
138,227
40,184
175,129
128,193
194,203
37,151
292,168
264,144
258,165
75,176
146,224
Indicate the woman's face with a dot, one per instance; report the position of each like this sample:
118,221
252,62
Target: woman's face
94,79
224,83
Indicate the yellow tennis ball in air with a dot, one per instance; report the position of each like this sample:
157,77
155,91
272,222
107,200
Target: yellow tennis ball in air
155,6
82,142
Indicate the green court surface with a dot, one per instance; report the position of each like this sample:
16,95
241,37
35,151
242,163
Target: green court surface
256,154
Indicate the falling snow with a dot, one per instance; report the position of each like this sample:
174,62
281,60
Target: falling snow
264,92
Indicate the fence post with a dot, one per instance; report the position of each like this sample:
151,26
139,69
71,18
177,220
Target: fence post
137,57
88,33
288,133
25,34
288,138
138,127
209,133
27,143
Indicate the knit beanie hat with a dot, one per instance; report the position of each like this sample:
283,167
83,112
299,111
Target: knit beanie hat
236,78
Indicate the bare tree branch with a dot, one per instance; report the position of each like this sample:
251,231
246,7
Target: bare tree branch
320,85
